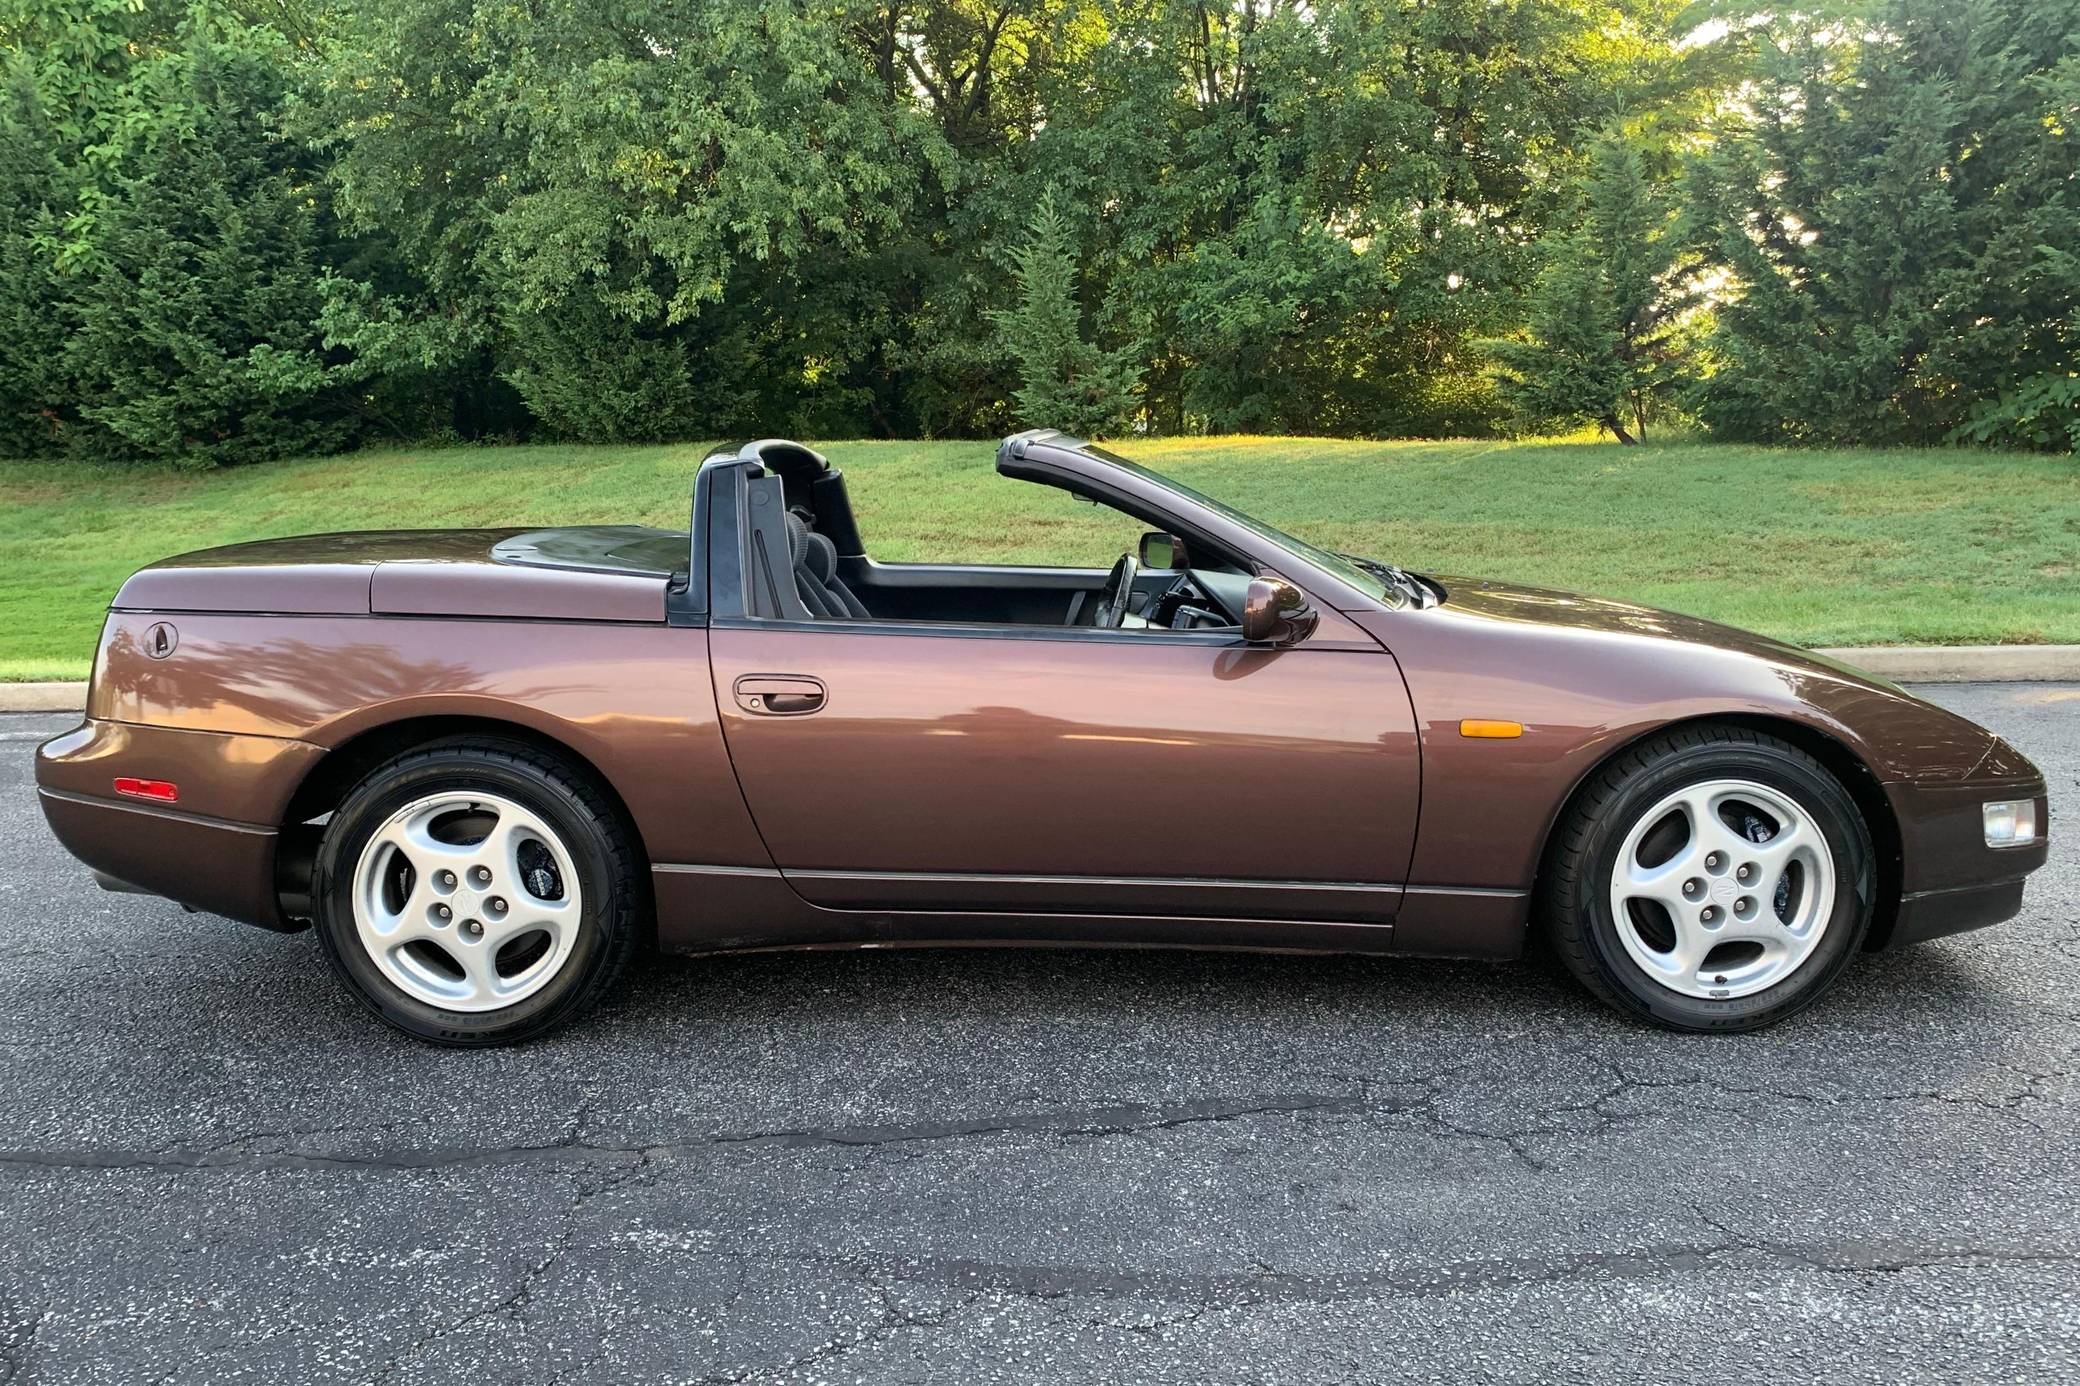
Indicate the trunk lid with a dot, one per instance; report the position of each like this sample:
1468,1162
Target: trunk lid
584,573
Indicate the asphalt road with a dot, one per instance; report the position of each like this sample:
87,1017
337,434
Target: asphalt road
1032,1167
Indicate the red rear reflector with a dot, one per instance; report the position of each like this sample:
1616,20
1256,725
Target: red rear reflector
163,790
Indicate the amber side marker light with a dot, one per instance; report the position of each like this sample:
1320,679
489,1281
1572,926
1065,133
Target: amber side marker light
165,791
1480,726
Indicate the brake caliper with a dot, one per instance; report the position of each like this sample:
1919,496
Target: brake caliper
538,872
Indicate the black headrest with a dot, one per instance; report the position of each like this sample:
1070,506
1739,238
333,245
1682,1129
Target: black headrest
810,551
821,559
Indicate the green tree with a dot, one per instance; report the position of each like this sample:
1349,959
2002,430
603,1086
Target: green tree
198,340
1311,211
35,314
164,224
1898,210
643,212
646,219
1066,380
1306,212
1604,339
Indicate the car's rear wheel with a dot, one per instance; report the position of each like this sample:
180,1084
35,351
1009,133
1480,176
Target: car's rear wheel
1710,879
477,892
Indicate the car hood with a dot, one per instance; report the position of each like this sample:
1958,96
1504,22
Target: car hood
1502,601
598,572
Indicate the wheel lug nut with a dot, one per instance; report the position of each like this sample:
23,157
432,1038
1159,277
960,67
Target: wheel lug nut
496,905
473,929
479,875
1711,912
442,912
445,880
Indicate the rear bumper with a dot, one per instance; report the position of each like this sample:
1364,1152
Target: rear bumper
203,863
215,850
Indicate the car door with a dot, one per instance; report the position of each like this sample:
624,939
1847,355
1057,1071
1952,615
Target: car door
905,766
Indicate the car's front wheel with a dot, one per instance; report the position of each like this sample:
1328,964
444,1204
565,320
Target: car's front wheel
1710,879
476,892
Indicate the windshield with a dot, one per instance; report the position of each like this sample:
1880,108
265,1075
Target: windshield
1363,579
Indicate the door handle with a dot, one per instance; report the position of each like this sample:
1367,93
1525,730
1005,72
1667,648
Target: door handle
779,695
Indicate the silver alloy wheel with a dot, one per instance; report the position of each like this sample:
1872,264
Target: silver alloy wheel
467,901
1722,889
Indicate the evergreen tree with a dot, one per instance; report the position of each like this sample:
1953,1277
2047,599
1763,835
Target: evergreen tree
162,244
1066,381
34,312
588,374
1606,315
198,338
1898,212
655,219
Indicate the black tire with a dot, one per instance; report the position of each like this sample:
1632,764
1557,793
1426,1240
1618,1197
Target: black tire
1575,904
613,897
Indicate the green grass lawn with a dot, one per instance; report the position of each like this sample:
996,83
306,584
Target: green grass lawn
1824,548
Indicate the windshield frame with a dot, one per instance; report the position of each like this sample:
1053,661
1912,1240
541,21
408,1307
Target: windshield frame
1334,564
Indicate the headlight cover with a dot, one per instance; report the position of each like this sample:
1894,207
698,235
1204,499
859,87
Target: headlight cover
2010,822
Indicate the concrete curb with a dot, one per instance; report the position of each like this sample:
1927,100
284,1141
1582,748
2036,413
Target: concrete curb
1965,663
42,697
1900,663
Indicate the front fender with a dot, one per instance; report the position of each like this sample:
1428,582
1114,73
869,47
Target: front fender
1584,693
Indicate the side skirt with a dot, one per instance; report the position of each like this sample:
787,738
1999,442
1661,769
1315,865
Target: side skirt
711,909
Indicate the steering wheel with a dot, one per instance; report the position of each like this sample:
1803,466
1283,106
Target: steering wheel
1118,591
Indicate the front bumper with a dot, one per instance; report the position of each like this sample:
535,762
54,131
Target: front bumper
1950,880
1935,913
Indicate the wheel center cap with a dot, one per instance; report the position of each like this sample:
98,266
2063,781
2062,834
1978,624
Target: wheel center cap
1724,891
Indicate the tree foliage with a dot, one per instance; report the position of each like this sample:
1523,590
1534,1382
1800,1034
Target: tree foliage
172,237
1900,210
1607,318
232,230
34,313
651,214
1065,380
196,340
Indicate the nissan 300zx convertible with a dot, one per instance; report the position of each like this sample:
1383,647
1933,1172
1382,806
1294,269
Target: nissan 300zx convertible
489,765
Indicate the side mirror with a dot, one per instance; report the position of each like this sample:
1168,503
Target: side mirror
1275,613
1163,551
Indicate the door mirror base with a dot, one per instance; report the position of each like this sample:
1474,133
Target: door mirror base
1276,613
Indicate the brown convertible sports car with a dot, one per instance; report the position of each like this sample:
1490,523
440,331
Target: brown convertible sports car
490,764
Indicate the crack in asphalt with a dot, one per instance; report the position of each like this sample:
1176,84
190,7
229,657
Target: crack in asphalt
1216,1292
19,1344
1603,1118
1378,1098
1199,1296
893,1319
2005,1106
515,1303
1125,1119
